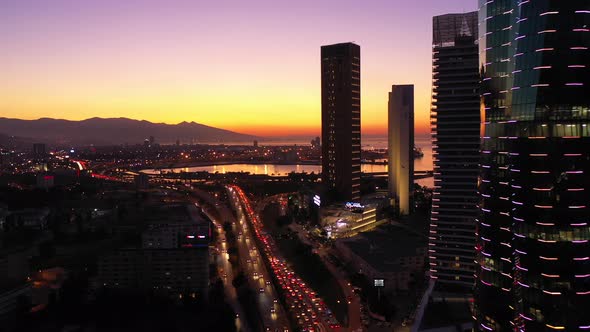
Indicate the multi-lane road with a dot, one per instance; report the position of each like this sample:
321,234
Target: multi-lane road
308,310
353,300
271,313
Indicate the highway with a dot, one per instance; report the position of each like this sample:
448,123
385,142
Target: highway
271,313
354,303
259,279
227,274
305,307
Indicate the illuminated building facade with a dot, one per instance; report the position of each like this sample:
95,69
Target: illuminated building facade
532,234
341,120
455,122
400,144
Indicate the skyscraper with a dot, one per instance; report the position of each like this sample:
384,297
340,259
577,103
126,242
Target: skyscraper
341,120
39,149
532,244
401,146
455,121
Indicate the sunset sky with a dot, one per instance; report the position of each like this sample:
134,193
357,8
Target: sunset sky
249,66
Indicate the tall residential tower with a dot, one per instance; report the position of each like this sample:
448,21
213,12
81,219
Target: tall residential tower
341,120
455,121
533,233
401,146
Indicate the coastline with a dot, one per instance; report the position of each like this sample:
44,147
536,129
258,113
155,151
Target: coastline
251,162
219,163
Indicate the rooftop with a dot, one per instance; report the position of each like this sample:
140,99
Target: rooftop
174,214
381,248
446,316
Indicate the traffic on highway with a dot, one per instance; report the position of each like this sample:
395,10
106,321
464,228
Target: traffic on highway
306,308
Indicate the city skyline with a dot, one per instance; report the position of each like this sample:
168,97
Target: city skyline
239,67
265,165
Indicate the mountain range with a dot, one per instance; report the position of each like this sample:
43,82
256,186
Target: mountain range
113,131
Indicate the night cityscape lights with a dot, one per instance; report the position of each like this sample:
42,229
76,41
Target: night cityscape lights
532,233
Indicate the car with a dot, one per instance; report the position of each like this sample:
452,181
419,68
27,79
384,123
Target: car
261,290
272,310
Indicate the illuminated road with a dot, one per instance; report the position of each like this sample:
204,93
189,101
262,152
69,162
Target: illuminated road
227,274
354,303
276,321
306,308
226,271
270,309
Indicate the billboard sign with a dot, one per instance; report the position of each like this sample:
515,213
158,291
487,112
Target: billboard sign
316,200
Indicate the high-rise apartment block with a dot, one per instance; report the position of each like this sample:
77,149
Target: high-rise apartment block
341,120
455,124
173,259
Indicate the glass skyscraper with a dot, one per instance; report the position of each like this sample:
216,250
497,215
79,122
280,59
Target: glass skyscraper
532,233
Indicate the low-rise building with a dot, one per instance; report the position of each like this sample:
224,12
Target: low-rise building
14,265
3,214
45,181
396,257
47,286
170,272
348,219
29,218
15,287
13,298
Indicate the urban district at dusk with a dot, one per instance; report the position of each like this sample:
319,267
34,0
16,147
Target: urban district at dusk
309,166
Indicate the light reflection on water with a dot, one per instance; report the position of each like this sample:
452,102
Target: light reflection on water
421,164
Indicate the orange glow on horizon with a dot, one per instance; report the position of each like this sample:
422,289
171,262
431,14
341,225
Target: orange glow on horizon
255,72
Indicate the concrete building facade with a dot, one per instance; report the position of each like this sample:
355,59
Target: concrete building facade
401,146
341,120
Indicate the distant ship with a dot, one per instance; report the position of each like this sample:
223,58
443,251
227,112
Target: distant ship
418,153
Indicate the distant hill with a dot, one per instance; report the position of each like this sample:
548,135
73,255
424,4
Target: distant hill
99,131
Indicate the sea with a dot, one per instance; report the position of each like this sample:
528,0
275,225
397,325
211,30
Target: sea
424,163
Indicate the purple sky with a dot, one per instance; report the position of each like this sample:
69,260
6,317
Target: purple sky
233,64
